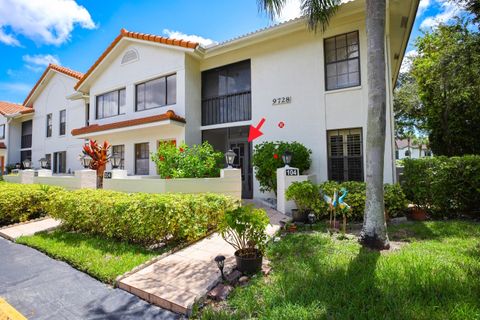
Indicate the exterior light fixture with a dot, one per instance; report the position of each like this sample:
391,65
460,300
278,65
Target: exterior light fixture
116,160
18,165
408,153
229,158
27,163
86,160
287,158
220,261
311,219
43,163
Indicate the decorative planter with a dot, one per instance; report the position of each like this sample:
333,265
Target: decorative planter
418,214
299,216
249,264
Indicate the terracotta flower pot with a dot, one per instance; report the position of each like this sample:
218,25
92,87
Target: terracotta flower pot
418,214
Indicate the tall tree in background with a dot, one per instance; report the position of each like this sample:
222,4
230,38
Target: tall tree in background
447,72
318,14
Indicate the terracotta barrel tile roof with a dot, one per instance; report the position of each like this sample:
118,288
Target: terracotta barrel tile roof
136,35
2,145
169,115
67,71
8,108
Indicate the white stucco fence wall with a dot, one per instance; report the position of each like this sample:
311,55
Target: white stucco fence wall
229,183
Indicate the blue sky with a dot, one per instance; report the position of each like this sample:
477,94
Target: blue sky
75,33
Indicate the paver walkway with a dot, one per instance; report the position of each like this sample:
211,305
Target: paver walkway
28,229
175,281
43,288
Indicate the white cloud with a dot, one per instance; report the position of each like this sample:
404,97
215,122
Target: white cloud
423,6
189,37
407,61
291,10
447,11
41,59
17,87
45,21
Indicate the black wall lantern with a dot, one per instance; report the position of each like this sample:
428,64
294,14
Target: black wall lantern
230,158
27,163
220,261
116,161
86,160
287,158
44,163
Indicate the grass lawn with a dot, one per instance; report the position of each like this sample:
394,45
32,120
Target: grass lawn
102,258
436,275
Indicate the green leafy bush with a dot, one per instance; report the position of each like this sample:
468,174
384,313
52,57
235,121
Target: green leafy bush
138,217
305,194
395,200
21,202
267,158
245,229
444,186
197,161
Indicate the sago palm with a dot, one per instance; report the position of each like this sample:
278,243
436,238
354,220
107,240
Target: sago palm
318,14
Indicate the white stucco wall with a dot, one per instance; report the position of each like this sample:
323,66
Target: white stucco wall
154,61
14,140
293,65
4,152
52,99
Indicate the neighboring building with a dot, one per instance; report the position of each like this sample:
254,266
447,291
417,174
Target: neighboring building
54,118
310,87
405,149
15,134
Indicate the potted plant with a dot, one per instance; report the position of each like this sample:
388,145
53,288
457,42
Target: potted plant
305,194
245,230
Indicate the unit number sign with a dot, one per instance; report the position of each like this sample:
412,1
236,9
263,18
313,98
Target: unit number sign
281,100
107,175
291,172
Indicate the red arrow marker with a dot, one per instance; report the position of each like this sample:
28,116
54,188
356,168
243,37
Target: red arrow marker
255,131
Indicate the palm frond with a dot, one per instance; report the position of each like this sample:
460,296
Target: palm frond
273,8
319,12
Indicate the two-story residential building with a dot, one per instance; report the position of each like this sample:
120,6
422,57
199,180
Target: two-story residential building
310,87
54,118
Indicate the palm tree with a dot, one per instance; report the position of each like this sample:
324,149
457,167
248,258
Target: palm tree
318,14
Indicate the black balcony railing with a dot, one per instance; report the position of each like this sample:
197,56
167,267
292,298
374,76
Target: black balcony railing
227,108
26,141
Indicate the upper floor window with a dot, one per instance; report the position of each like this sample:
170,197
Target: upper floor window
2,131
49,125
111,104
63,122
27,128
342,61
156,93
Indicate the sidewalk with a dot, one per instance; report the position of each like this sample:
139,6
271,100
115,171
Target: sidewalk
176,281
28,229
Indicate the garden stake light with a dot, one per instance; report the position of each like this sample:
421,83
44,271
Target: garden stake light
220,260
311,219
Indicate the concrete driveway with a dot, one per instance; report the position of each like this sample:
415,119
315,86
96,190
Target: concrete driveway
43,288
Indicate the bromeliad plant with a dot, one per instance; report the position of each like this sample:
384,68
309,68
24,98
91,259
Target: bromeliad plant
100,157
245,230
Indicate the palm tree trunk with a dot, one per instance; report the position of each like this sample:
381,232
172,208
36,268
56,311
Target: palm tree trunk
374,231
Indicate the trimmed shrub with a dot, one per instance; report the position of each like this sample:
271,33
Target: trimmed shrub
395,200
305,195
444,186
197,161
267,158
139,217
22,202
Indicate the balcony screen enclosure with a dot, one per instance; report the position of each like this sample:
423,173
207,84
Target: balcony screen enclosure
226,94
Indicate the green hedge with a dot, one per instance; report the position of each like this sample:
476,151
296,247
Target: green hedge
21,202
138,217
395,200
444,186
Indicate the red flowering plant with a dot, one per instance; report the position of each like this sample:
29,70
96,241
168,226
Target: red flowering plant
100,157
198,161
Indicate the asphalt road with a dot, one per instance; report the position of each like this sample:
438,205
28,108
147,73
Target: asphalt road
43,288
